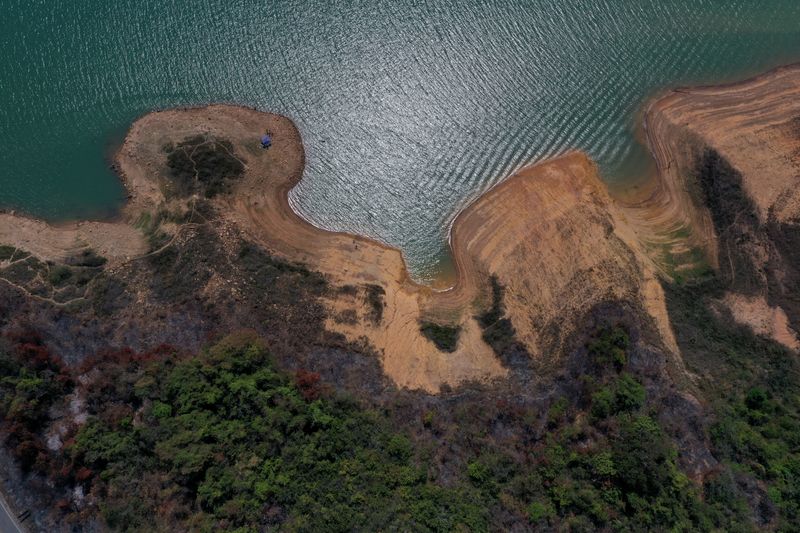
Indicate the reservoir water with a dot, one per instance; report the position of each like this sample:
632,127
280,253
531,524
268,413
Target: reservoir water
408,108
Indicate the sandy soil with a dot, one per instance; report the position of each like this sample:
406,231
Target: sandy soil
560,245
114,241
755,126
754,311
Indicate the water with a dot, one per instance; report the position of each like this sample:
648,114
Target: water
408,109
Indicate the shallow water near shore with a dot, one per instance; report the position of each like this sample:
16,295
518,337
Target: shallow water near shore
408,109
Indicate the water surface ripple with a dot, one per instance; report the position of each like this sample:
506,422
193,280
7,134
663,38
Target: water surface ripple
408,108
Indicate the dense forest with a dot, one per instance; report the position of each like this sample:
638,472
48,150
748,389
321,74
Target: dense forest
225,439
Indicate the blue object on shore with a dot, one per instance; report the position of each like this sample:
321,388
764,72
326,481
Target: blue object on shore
266,141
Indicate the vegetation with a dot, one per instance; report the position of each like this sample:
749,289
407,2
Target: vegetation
60,282
32,380
224,439
7,252
375,300
754,386
202,165
87,258
498,332
444,337
245,438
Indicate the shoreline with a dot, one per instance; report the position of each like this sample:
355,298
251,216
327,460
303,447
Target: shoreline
545,197
551,233
618,191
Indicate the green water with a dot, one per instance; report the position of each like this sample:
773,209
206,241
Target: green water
408,109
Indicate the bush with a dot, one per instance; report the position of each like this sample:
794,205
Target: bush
204,166
610,347
375,299
624,395
444,337
59,275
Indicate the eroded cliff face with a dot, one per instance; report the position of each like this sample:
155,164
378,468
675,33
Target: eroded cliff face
729,172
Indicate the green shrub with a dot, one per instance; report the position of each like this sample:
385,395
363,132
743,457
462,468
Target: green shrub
610,347
87,258
204,166
538,511
629,394
444,337
624,395
59,275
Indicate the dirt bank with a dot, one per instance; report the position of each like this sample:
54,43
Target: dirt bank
114,241
551,235
726,193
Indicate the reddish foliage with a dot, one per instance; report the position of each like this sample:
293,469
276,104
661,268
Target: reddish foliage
62,504
83,474
31,351
120,357
26,452
308,383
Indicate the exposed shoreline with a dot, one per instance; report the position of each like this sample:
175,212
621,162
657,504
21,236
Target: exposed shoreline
560,201
551,233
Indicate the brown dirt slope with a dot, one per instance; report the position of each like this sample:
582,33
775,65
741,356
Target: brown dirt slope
551,235
729,169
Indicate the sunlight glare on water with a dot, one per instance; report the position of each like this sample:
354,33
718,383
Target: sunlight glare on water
408,109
